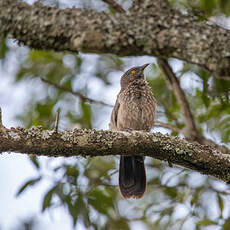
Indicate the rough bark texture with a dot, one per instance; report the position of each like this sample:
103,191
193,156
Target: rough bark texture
91,143
156,29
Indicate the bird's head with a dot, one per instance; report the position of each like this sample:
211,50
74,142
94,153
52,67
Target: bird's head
132,75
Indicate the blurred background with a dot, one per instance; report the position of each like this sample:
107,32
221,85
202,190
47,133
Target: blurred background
82,193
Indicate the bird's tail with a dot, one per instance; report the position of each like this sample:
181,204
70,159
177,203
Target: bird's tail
132,178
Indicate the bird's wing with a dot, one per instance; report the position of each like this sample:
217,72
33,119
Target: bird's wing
113,120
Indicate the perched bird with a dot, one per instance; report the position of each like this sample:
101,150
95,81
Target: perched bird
134,110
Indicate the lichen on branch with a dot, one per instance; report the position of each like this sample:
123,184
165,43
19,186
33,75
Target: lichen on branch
79,142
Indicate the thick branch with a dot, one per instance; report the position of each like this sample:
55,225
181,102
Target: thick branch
93,143
155,30
136,4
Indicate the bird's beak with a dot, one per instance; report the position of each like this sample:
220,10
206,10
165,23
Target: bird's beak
144,66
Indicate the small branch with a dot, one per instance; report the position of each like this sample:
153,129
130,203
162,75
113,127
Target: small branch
0,116
114,6
167,126
2,127
57,120
84,98
78,142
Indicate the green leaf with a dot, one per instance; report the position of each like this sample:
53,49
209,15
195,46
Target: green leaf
72,209
78,60
71,171
225,6
120,224
206,222
221,204
86,118
34,160
196,196
226,136
100,201
30,182
3,48
83,210
226,225
167,211
171,192
48,197
208,5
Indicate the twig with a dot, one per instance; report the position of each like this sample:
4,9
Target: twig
173,176
167,126
57,120
0,116
2,127
190,130
84,98
114,6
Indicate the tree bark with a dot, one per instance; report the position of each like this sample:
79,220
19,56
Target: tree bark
156,29
78,142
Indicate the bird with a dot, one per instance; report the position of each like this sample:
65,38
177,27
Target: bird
134,110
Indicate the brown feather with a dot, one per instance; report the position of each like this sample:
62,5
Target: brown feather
134,110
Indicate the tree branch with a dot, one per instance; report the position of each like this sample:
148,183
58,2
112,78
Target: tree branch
114,6
2,127
0,116
78,94
56,124
139,5
167,126
136,4
190,131
78,142
156,30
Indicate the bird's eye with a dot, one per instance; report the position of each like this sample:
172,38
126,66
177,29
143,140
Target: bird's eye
133,71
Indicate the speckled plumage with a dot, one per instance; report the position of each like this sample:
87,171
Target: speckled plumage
134,110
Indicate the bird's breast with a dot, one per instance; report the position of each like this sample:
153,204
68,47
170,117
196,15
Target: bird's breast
137,109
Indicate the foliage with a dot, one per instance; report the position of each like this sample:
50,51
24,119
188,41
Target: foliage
204,8
87,188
